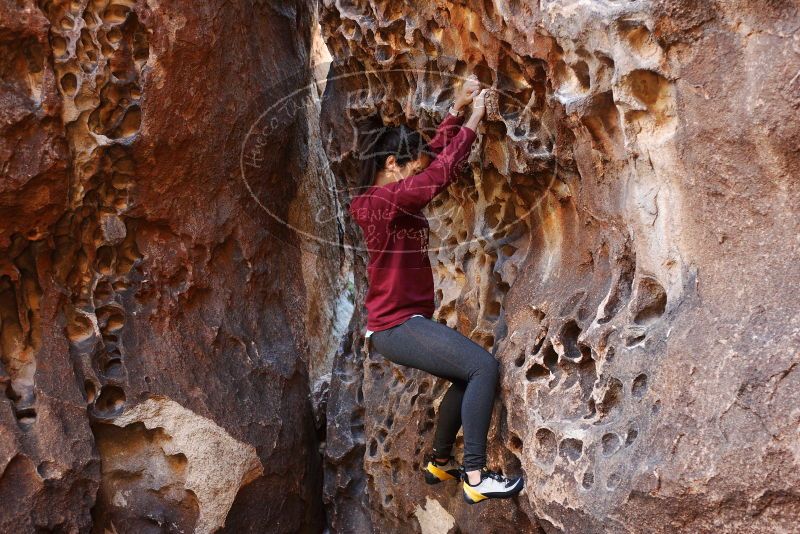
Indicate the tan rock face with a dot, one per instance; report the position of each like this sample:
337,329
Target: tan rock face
154,320
213,466
625,244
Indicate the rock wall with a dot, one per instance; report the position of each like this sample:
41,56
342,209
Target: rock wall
626,245
174,265
156,333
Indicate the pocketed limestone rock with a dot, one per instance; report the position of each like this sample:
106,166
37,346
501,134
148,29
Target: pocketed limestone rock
210,465
615,246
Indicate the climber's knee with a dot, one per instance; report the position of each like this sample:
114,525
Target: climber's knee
489,368
495,367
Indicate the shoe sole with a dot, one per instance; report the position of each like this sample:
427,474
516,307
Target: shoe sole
434,475
472,496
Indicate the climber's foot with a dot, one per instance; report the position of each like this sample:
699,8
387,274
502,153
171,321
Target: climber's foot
436,471
493,485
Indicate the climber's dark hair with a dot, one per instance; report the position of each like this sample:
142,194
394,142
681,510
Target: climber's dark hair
376,142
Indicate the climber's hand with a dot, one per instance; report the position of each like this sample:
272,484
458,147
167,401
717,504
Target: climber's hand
479,104
478,110
468,91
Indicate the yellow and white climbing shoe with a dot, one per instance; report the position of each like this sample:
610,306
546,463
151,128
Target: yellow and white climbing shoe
436,472
493,485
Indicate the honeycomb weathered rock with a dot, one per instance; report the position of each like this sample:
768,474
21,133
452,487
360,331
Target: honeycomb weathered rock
173,276
625,247
136,268
493,105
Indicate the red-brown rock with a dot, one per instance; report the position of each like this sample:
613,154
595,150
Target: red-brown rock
155,321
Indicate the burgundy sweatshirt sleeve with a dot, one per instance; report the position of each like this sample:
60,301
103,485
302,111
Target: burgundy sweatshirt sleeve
412,194
445,132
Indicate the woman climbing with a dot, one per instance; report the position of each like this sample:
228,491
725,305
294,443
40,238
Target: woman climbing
397,180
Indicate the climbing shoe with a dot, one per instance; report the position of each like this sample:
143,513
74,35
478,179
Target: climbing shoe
493,485
436,472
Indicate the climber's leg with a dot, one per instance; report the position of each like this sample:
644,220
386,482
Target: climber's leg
442,351
449,421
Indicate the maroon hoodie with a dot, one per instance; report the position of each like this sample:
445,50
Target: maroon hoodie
396,232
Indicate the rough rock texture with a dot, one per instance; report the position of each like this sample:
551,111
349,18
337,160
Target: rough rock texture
627,243
156,331
173,277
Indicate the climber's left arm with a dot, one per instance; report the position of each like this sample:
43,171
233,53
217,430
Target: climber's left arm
445,132
410,195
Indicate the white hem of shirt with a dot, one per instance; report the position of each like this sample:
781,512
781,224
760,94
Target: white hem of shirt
369,332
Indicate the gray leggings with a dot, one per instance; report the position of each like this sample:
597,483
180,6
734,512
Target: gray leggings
441,351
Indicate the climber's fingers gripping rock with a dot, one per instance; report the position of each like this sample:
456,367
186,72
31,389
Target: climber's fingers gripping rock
468,91
479,103
478,110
